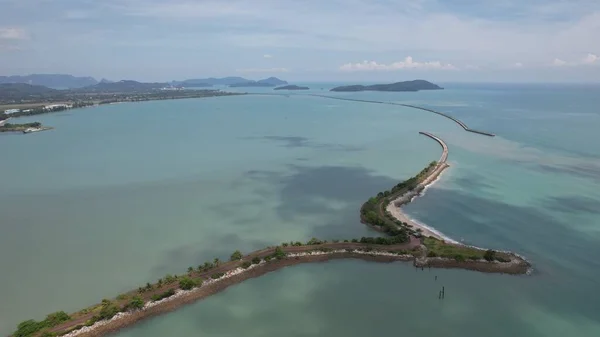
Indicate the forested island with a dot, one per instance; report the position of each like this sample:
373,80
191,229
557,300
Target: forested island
415,85
25,128
291,87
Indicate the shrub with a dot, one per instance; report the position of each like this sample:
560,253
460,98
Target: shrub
459,258
314,241
108,311
354,240
431,254
268,258
136,303
56,318
122,297
90,322
148,286
346,241
297,243
187,283
166,294
236,256
256,260
217,275
489,255
190,269
285,244
28,327
169,279
246,264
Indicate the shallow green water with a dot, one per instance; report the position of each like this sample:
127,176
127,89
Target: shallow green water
119,195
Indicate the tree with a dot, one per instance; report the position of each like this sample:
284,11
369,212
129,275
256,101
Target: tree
246,264
217,262
190,269
187,283
489,255
256,260
236,256
279,253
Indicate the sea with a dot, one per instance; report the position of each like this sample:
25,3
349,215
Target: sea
119,195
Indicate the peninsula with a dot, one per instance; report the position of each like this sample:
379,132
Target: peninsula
405,241
291,87
415,85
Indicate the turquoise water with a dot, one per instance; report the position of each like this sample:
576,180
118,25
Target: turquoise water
119,195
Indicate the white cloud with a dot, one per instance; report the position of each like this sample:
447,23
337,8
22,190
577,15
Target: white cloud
518,65
587,60
407,63
267,56
12,33
559,63
590,59
263,70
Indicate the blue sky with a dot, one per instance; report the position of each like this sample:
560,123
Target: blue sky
302,40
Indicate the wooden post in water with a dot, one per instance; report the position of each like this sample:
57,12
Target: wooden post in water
440,295
443,292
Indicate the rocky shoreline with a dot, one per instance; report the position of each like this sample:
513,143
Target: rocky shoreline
309,255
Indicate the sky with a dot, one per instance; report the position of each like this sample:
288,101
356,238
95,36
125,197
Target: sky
304,40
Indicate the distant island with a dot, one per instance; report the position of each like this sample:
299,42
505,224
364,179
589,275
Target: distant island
267,82
415,85
25,128
291,87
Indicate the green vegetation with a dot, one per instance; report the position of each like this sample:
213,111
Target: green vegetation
256,260
136,303
108,311
438,248
246,264
206,266
161,296
217,275
373,211
236,256
187,283
30,327
170,279
279,253
8,127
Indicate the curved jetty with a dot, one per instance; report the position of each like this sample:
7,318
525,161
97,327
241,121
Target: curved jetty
456,120
406,241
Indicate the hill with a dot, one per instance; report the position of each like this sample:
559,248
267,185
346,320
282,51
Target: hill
18,91
273,80
267,82
51,80
123,86
212,81
415,85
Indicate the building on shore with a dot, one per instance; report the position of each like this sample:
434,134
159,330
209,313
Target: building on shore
55,106
11,111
